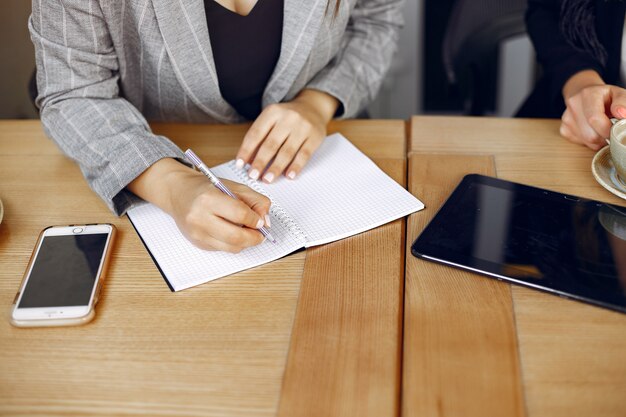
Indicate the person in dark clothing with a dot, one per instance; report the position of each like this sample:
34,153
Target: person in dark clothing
579,46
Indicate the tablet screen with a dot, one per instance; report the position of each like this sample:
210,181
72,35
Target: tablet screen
542,239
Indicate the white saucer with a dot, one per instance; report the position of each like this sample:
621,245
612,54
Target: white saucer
605,173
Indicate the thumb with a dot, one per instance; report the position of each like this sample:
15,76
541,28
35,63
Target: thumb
618,102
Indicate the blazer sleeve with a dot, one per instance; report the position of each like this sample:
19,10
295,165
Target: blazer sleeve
80,103
558,58
355,74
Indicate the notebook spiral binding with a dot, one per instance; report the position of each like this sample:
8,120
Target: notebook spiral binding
276,210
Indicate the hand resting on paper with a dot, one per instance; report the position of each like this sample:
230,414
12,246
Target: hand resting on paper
208,218
285,135
590,105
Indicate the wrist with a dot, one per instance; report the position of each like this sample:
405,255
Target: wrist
322,104
581,80
158,183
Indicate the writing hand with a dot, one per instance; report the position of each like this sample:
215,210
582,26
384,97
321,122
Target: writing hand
207,217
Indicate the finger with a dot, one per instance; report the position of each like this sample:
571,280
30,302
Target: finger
594,109
228,237
207,242
237,238
268,149
236,211
285,156
582,130
568,127
200,226
302,157
566,132
256,201
618,102
567,119
255,135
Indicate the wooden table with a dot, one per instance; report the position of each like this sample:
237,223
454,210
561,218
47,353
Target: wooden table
474,346
317,333
337,330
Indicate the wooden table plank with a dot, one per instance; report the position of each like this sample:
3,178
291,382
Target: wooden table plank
529,151
212,350
218,349
484,135
344,358
573,355
25,137
460,355
378,139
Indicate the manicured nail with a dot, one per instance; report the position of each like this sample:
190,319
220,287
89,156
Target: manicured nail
239,163
268,223
269,177
621,112
291,175
254,174
259,224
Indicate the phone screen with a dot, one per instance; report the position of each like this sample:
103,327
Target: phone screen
64,271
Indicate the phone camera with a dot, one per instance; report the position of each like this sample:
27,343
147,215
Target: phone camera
78,230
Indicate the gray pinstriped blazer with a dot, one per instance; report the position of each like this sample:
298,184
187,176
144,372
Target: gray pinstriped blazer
104,67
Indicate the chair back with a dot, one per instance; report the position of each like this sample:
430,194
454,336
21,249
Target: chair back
470,46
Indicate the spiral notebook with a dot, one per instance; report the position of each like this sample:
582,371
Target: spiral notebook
340,193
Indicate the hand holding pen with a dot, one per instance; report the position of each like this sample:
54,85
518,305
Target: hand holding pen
197,162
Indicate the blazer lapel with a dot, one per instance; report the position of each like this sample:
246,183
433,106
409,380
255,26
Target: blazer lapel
184,29
302,20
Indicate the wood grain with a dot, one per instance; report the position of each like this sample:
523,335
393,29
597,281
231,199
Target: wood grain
529,151
218,349
573,355
344,358
460,354
378,139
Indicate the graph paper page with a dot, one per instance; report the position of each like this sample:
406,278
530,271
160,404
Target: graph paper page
185,265
340,193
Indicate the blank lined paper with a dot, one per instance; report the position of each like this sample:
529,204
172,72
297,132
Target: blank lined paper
340,193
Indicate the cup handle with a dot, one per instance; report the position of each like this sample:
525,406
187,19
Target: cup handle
613,121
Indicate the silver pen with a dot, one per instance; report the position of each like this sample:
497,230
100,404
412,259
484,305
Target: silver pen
193,158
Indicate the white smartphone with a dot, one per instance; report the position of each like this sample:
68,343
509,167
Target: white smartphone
64,276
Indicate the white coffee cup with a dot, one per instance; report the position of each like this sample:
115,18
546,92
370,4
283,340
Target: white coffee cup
617,145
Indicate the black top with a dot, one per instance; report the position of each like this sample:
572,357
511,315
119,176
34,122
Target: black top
245,50
559,60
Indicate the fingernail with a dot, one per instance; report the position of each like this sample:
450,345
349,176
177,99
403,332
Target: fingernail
239,163
269,177
291,175
621,112
254,174
268,223
259,224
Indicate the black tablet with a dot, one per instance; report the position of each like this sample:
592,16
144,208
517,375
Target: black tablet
559,243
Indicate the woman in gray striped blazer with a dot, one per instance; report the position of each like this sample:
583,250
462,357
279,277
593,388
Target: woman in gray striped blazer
105,67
